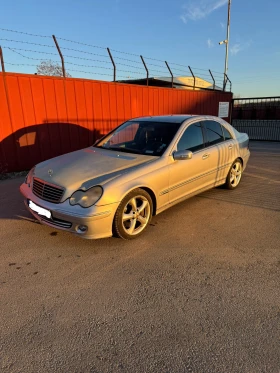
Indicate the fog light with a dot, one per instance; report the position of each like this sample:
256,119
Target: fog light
82,228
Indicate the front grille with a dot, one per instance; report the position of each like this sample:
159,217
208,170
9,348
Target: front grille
47,192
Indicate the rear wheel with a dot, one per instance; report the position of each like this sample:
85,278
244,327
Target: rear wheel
234,175
133,214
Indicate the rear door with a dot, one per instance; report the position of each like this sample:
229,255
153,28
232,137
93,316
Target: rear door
218,138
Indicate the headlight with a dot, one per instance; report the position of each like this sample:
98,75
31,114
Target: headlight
29,177
86,198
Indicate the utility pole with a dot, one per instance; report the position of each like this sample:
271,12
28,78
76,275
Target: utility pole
226,42
228,26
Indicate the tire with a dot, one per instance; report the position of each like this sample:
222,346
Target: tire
133,215
234,175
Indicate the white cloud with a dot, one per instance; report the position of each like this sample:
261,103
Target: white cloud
210,43
222,24
198,9
184,18
238,47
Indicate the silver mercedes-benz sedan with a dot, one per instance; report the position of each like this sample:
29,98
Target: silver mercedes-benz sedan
138,170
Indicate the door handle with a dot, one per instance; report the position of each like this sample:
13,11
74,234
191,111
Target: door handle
230,147
205,156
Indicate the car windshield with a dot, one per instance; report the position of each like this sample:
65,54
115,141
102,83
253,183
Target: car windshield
148,138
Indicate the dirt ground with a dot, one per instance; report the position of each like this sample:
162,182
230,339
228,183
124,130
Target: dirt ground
198,292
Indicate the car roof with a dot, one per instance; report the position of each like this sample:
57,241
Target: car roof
165,118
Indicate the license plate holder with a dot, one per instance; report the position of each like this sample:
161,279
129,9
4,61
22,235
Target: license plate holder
39,210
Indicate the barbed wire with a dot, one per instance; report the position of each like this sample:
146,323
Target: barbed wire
75,64
87,72
19,64
80,51
78,42
101,67
31,58
133,64
206,75
50,53
55,54
184,71
217,72
25,33
158,71
193,68
27,42
71,70
130,54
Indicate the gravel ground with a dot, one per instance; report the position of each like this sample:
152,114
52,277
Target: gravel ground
198,292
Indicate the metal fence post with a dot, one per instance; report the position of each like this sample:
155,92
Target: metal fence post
9,108
147,71
229,81
231,110
214,83
61,56
192,76
225,82
113,62
172,78
2,60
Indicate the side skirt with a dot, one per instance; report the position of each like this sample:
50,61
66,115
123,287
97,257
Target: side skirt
216,184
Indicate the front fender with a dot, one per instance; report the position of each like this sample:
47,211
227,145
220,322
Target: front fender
157,180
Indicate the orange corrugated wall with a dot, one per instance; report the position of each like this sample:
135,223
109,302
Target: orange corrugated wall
42,117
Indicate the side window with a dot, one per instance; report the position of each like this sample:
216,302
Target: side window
192,138
227,135
214,133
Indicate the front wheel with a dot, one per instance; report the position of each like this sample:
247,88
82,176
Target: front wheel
133,214
234,175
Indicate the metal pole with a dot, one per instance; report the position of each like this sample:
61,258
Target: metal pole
214,83
113,62
172,78
61,56
146,69
2,60
192,76
227,40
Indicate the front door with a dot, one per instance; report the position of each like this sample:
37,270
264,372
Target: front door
190,176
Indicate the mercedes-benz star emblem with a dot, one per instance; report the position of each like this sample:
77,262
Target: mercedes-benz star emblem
50,172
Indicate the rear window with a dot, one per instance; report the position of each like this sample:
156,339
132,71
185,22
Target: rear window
227,135
214,133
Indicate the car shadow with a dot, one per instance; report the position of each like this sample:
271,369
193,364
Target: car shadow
36,143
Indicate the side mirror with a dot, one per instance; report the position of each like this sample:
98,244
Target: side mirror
182,155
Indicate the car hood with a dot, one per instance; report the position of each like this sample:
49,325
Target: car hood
88,167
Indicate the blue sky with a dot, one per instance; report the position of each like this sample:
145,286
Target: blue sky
184,32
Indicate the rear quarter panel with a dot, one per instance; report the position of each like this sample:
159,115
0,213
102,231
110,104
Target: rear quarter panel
242,144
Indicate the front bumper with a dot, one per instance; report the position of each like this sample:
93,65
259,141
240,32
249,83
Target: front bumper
98,219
